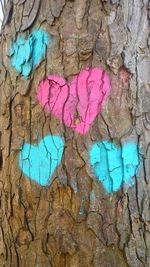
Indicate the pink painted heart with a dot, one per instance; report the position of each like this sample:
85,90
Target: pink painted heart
75,103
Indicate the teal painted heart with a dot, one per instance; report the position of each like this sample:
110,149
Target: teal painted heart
27,53
40,161
113,165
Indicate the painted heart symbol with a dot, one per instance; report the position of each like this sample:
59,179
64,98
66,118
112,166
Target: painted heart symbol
27,53
40,161
113,165
77,102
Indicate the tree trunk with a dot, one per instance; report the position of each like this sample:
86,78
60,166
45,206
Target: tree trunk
75,220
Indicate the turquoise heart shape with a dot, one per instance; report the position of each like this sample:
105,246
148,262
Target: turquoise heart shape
40,161
113,165
27,53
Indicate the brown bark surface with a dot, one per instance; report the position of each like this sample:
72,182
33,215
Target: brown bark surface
74,222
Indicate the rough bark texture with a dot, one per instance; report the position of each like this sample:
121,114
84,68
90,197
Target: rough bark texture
74,222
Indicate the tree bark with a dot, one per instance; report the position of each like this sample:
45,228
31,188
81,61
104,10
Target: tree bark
74,222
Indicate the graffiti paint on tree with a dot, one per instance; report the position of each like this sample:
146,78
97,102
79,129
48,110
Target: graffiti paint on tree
75,103
40,161
27,53
113,165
